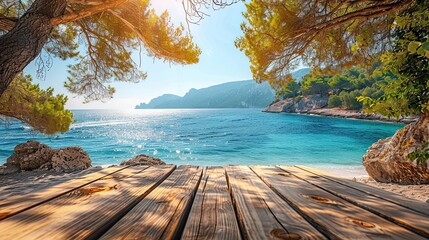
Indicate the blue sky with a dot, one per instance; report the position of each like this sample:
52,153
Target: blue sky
219,62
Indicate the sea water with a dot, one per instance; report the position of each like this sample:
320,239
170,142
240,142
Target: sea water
210,137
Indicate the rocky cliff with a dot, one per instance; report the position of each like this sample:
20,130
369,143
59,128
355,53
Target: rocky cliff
299,104
317,105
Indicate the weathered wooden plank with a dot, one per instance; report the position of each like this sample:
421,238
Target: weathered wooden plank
412,204
212,215
12,202
336,217
162,213
88,211
386,209
261,213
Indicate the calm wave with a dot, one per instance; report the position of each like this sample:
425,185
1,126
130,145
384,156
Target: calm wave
210,137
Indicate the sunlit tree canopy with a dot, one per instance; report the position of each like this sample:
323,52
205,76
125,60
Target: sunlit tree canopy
332,35
101,36
409,59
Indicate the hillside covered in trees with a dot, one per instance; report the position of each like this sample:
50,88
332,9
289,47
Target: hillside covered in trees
347,90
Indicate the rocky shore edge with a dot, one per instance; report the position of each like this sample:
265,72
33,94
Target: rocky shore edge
34,166
353,114
35,156
318,105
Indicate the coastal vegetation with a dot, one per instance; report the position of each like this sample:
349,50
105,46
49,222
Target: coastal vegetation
409,60
335,36
343,90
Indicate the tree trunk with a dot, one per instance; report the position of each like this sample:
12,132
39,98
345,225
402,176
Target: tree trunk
25,41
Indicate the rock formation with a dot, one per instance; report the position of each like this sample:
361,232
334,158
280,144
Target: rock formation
143,159
70,159
33,155
388,160
317,105
299,104
30,155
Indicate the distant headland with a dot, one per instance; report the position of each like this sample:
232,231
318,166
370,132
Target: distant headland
240,94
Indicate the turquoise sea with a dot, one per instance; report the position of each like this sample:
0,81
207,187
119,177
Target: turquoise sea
210,137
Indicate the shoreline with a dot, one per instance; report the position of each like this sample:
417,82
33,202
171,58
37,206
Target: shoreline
350,114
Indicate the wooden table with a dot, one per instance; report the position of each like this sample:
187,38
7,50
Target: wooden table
191,202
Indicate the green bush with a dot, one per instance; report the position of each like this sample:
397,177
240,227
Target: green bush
349,100
315,85
289,91
334,101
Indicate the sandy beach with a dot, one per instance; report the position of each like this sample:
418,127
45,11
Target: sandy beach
418,192
32,180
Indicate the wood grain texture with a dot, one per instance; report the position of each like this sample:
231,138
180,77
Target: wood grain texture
334,216
261,213
87,211
412,204
162,213
386,209
12,202
212,215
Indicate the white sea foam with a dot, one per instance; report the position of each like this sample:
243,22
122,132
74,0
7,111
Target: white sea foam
98,123
26,128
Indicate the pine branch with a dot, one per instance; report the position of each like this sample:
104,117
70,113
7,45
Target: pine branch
156,51
77,15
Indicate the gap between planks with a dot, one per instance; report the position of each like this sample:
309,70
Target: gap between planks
261,213
162,212
246,192
212,214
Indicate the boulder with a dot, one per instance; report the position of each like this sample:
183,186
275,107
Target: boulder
388,159
30,155
143,159
70,159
